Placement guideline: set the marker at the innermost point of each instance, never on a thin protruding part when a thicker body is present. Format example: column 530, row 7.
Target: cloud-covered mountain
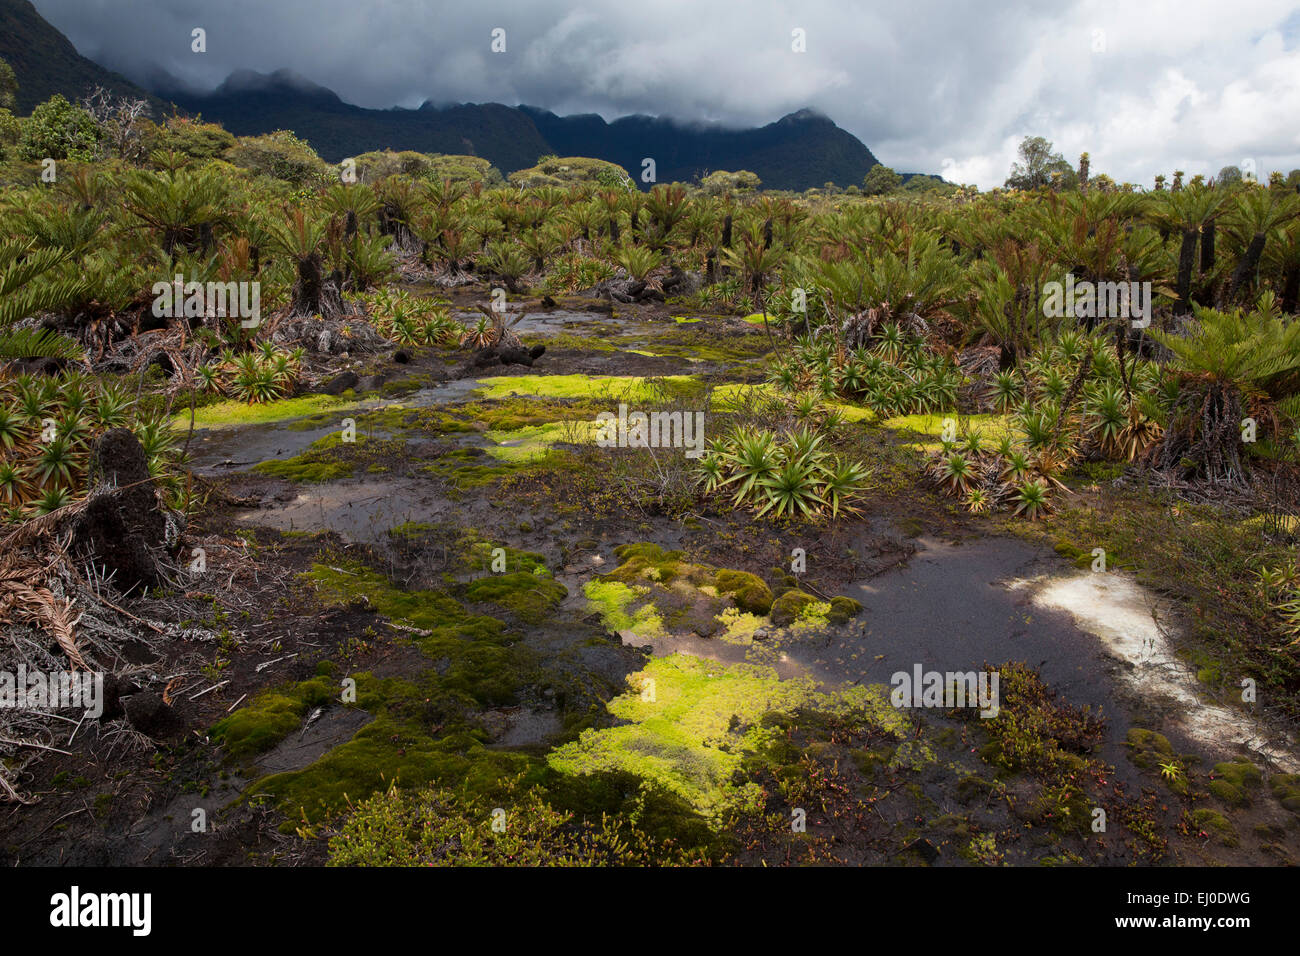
column 797, row 151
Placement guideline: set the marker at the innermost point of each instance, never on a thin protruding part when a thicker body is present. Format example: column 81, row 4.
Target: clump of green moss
column 228, row 414
column 1286, row 789
column 330, row 458
column 466, row 468
column 1148, row 749
column 1152, row 751
column 642, row 563
column 530, row 597
column 271, row 716
column 1216, row 824
column 628, row 388
column 482, row 556
column 425, row 729
column 1233, row 781
column 687, row 725
column 533, row 442
column 789, row 607
column 749, row 591
column 305, row 469
column 614, row 600
column 843, row 610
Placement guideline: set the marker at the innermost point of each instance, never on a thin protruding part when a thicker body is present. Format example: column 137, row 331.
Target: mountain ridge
column 800, row 150
column 797, row 151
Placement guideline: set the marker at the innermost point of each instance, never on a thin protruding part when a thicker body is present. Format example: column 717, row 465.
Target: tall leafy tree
column 1038, row 164
column 881, row 180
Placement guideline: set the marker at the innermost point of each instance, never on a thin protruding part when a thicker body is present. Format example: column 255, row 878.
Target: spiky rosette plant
column 1226, row 363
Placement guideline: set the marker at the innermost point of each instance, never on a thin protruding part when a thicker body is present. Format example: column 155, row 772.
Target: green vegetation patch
column 1286, row 789
column 534, row 441
column 614, row 602
column 440, row 826
column 1232, row 782
column 424, row 729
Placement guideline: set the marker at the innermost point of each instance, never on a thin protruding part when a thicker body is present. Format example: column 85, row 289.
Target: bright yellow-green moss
column 812, row 616
column 627, row 388
column 690, row 722
column 738, row 626
column 229, row 414
column 734, row 395
column 534, row 441
column 727, row 397
column 612, row 600
column 991, row 427
column 854, row 413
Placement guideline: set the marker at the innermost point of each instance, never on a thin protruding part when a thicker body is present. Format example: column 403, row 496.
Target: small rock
column 925, row 849
column 340, row 383
column 631, row 639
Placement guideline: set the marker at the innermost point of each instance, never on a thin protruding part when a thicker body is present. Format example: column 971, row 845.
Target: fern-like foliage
column 1256, row 351
column 38, row 343
column 33, row 280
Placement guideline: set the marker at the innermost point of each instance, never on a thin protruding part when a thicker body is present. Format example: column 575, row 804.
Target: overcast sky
column 944, row 87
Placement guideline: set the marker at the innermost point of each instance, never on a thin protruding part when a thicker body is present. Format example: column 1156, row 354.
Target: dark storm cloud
column 945, row 87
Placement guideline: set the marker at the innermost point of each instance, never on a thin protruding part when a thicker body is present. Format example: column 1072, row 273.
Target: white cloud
column 1175, row 85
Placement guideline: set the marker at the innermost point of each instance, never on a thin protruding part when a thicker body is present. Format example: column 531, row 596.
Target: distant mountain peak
column 280, row 81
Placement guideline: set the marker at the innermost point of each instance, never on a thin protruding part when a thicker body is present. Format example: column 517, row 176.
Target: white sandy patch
column 1127, row 619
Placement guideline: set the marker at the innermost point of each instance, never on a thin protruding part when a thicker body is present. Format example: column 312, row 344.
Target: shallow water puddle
column 235, row 448
column 551, row 322
column 359, row 509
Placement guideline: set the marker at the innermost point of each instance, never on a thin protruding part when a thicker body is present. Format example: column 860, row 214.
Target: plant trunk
column 1203, row 439
column 1245, row 268
column 1186, row 262
column 1290, row 289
